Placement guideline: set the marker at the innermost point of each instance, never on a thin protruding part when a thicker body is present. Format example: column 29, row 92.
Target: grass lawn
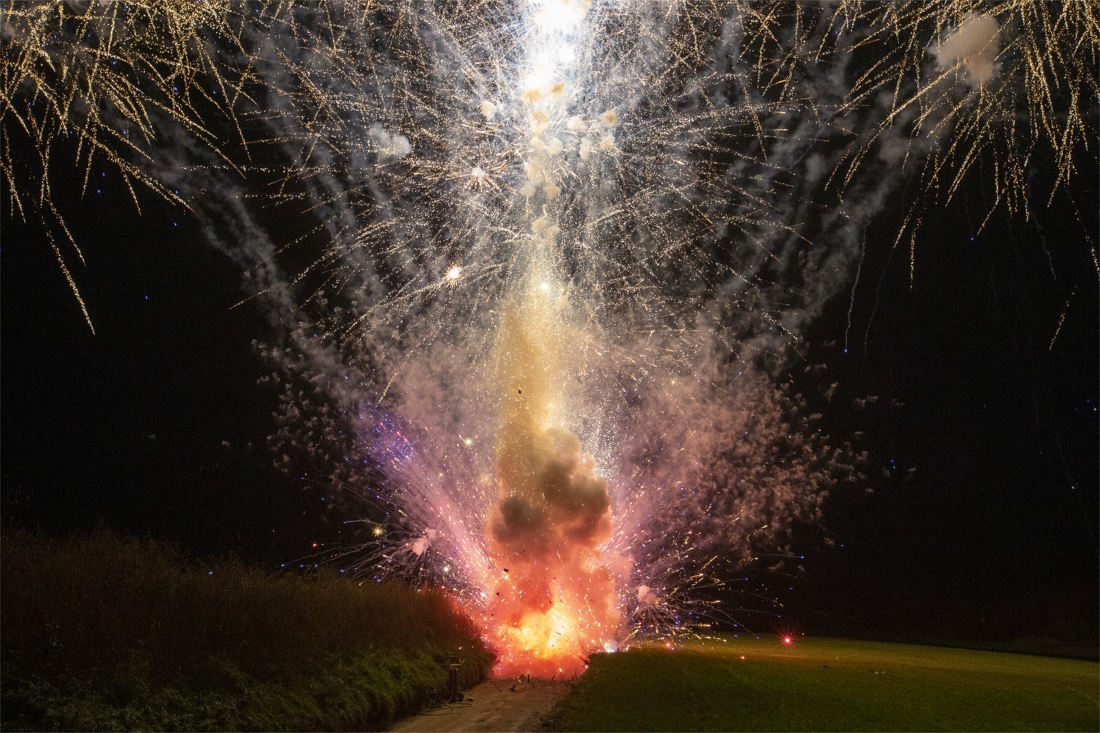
column 829, row 684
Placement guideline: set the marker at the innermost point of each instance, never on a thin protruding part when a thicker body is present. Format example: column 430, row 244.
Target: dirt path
column 497, row 705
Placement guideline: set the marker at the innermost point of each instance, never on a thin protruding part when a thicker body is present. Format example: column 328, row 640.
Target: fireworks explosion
column 539, row 263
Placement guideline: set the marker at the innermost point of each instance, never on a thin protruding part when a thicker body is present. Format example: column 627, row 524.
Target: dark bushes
column 103, row 632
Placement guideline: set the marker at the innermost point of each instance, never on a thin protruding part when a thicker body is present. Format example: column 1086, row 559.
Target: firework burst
column 548, row 257
column 1005, row 83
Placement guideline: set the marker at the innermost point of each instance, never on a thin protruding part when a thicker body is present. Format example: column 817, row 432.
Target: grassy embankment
column 829, row 684
column 107, row 633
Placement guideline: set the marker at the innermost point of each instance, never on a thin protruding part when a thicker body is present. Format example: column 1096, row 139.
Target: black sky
column 979, row 514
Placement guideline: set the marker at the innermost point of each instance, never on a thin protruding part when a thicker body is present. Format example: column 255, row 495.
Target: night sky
column 978, row 517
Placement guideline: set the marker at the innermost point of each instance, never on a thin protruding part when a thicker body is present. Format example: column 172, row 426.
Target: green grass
column 107, row 633
column 829, row 684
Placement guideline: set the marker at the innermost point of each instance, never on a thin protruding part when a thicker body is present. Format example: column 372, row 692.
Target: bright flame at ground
column 555, row 601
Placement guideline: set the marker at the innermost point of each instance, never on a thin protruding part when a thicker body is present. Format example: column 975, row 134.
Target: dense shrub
column 103, row 632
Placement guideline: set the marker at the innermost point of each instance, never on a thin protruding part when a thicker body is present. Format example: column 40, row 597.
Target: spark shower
column 549, row 258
